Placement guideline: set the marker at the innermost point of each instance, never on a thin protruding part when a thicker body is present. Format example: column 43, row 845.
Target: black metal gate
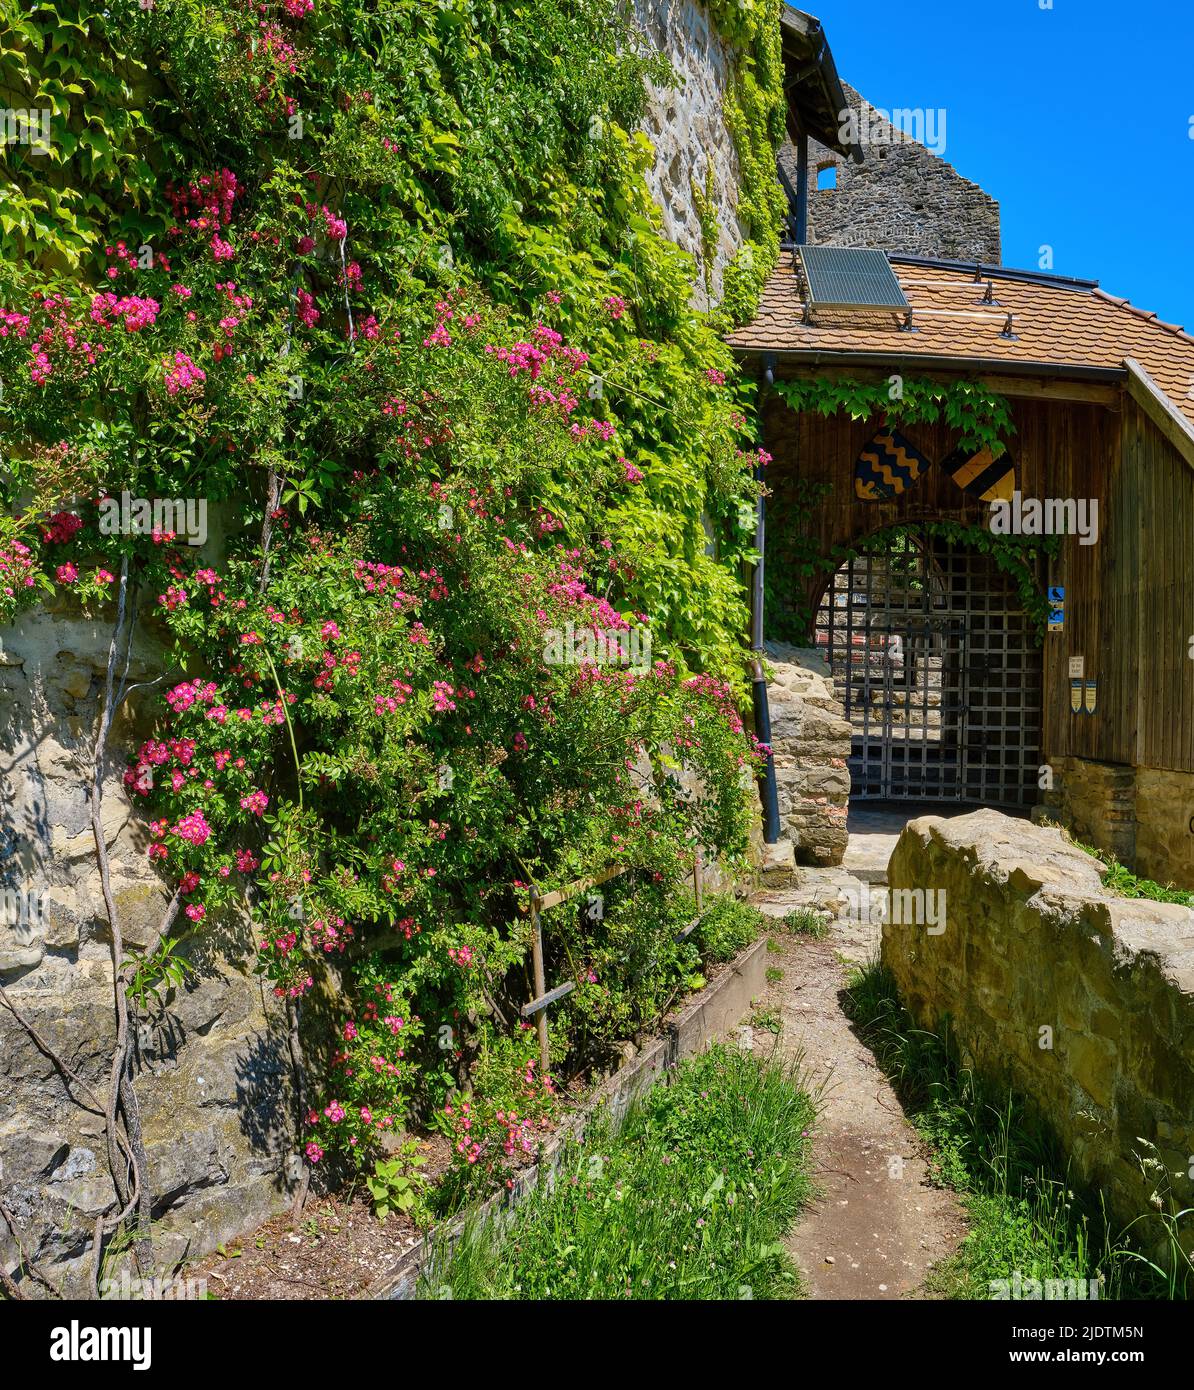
column 938, row 670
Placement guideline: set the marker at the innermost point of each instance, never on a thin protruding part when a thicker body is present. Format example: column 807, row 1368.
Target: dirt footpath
column 877, row 1227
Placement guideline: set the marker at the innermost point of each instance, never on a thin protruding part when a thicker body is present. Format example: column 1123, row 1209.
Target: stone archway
column 937, row 669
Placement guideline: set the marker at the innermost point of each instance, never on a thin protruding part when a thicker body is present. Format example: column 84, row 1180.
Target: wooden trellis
column 544, row 997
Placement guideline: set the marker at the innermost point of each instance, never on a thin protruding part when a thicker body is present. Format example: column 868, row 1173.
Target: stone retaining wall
column 1142, row 815
column 212, row 1065
column 1085, row 1000
column 1164, row 848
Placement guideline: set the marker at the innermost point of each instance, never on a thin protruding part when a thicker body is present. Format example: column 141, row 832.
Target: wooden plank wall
column 1160, row 499
column 1129, row 597
column 1084, row 462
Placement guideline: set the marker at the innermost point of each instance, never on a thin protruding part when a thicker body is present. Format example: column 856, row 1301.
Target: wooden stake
column 540, row 986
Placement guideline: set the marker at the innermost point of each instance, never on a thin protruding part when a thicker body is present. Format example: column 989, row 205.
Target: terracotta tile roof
column 1072, row 326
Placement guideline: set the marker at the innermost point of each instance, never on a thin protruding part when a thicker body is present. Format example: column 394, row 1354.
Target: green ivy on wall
column 755, row 110
column 95, row 174
column 984, row 417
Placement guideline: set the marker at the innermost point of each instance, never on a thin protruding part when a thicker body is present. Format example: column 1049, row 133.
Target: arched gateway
column 938, row 670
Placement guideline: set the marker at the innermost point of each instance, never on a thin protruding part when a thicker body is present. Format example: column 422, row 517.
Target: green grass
column 1123, row 881
column 1129, row 885
column 689, row 1199
column 806, row 921
column 769, row 1020
column 991, row 1147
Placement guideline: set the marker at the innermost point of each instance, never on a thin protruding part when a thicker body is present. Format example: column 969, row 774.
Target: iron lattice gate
column 939, row 672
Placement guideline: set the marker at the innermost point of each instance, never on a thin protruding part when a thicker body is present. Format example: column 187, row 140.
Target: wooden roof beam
column 1036, row 388
column 1160, row 410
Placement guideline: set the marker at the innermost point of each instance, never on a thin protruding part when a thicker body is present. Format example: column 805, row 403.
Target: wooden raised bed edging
column 713, row 1014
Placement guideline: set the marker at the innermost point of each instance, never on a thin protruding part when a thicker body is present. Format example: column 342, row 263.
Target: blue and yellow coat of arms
column 887, row 466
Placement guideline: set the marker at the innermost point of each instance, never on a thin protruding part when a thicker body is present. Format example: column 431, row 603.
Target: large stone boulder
column 1084, row 1000
column 810, row 740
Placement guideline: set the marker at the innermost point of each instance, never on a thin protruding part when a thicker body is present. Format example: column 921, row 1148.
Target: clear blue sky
column 1077, row 119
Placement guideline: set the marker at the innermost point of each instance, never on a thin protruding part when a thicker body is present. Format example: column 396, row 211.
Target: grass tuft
column 728, row 926
column 807, row 921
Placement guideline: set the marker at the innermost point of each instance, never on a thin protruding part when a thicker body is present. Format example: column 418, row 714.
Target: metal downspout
column 762, row 711
column 802, row 189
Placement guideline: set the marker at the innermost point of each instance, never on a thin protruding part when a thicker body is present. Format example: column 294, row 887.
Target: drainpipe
column 802, row 188
column 762, row 711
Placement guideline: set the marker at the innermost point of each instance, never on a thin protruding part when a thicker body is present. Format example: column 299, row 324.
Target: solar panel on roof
column 850, row 277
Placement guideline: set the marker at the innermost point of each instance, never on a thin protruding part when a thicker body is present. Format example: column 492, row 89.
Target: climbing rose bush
column 374, row 1073
column 387, row 744
column 431, row 435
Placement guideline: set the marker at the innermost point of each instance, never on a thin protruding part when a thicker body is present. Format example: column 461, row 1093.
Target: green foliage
column 96, row 173
column 628, row 964
column 396, row 1184
column 744, row 23
column 1121, row 880
column 157, row 973
column 690, row 1199
column 983, row 417
column 728, row 925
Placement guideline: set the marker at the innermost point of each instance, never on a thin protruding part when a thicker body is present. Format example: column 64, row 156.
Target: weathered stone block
column 810, row 743
column 778, row 866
